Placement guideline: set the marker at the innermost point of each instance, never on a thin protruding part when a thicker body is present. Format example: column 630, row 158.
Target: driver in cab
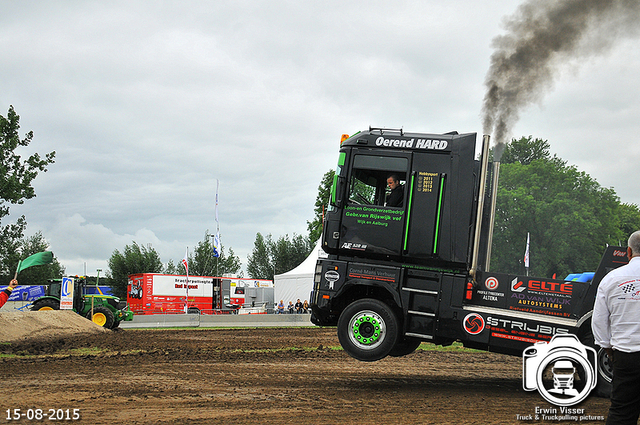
column 396, row 196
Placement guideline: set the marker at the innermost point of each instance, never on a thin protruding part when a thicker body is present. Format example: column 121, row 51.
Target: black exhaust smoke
column 541, row 36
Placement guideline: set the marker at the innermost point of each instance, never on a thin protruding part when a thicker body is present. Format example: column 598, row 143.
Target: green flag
column 38, row 259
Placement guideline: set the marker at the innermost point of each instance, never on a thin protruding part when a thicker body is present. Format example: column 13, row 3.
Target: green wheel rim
column 367, row 329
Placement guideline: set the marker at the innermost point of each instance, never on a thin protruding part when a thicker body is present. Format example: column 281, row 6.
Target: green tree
column 37, row 275
column 132, row 260
column 287, row 253
column 525, row 150
column 322, row 201
column 259, row 264
column 629, row 221
column 16, row 177
column 203, row 263
column 569, row 216
column 170, row 268
column 270, row 257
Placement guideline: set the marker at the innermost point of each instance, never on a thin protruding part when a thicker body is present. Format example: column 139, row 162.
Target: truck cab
column 399, row 275
column 433, row 226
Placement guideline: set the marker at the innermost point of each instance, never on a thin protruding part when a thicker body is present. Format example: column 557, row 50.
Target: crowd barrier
column 218, row 320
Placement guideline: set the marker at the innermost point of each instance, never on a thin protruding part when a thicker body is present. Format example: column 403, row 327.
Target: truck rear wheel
column 46, row 304
column 102, row 316
column 405, row 346
column 368, row 329
column 605, row 366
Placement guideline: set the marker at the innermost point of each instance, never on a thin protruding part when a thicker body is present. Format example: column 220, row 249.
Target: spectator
column 298, row 306
column 4, row 295
column 280, row 309
column 305, row 307
column 616, row 328
column 291, row 307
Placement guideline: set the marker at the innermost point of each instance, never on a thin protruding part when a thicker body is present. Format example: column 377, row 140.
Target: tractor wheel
column 368, row 329
column 405, row 346
column 46, row 304
column 102, row 316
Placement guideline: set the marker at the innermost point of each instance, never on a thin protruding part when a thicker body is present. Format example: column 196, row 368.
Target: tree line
column 570, row 219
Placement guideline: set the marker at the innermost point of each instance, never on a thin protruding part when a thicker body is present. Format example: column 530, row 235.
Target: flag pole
column 187, row 269
column 15, row 276
column 526, row 256
column 216, row 238
column 185, row 262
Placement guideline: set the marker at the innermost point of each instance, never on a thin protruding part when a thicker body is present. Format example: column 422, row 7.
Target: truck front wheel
column 102, row 316
column 368, row 329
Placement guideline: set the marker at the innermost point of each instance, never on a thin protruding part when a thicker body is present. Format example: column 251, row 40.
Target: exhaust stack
column 481, row 196
column 492, row 216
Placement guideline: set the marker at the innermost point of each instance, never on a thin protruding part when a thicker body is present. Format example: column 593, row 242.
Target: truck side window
column 368, row 184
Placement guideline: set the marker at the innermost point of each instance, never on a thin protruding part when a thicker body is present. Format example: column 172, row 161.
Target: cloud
column 88, row 246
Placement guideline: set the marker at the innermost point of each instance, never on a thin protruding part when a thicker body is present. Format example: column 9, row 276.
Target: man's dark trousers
column 625, row 392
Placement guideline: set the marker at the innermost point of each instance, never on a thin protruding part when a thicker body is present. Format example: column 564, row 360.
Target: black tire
column 102, row 316
column 405, row 346
column 368, row 330
column 46, row 304
column 605, row 367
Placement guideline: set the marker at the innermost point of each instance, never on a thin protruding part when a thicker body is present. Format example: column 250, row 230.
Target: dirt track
column 255, row 376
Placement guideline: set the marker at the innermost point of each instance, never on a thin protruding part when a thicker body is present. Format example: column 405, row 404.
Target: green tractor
column 104, row 310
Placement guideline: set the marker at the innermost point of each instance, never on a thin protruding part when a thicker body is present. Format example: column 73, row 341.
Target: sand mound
column 44, row 324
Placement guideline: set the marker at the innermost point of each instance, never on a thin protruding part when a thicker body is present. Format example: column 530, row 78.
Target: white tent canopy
column 297, row 283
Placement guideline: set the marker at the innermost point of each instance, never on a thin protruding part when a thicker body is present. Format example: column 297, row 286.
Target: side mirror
column 337, row 191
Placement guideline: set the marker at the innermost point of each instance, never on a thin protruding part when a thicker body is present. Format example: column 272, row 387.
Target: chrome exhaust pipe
column 481, row 196
column 492, row 217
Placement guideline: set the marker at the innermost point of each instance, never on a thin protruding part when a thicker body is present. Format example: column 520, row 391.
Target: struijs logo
column 563, row 370
column 473, row 323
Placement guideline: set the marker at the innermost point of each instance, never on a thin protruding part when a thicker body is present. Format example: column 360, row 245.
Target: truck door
column 368, row 224
column 440, row 210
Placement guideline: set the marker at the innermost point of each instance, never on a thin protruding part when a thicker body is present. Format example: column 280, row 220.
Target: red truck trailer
column 154, row 293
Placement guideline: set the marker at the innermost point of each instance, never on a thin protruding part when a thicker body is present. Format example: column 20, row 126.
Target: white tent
column 297, row 283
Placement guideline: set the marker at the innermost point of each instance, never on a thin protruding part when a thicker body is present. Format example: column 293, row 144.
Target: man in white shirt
column 616, row 328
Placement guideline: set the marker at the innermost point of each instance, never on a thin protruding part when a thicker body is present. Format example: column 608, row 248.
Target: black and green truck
column 398, row 276
column 105, row 310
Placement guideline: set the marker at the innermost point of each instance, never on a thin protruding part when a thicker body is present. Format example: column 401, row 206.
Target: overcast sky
column 148, row 103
